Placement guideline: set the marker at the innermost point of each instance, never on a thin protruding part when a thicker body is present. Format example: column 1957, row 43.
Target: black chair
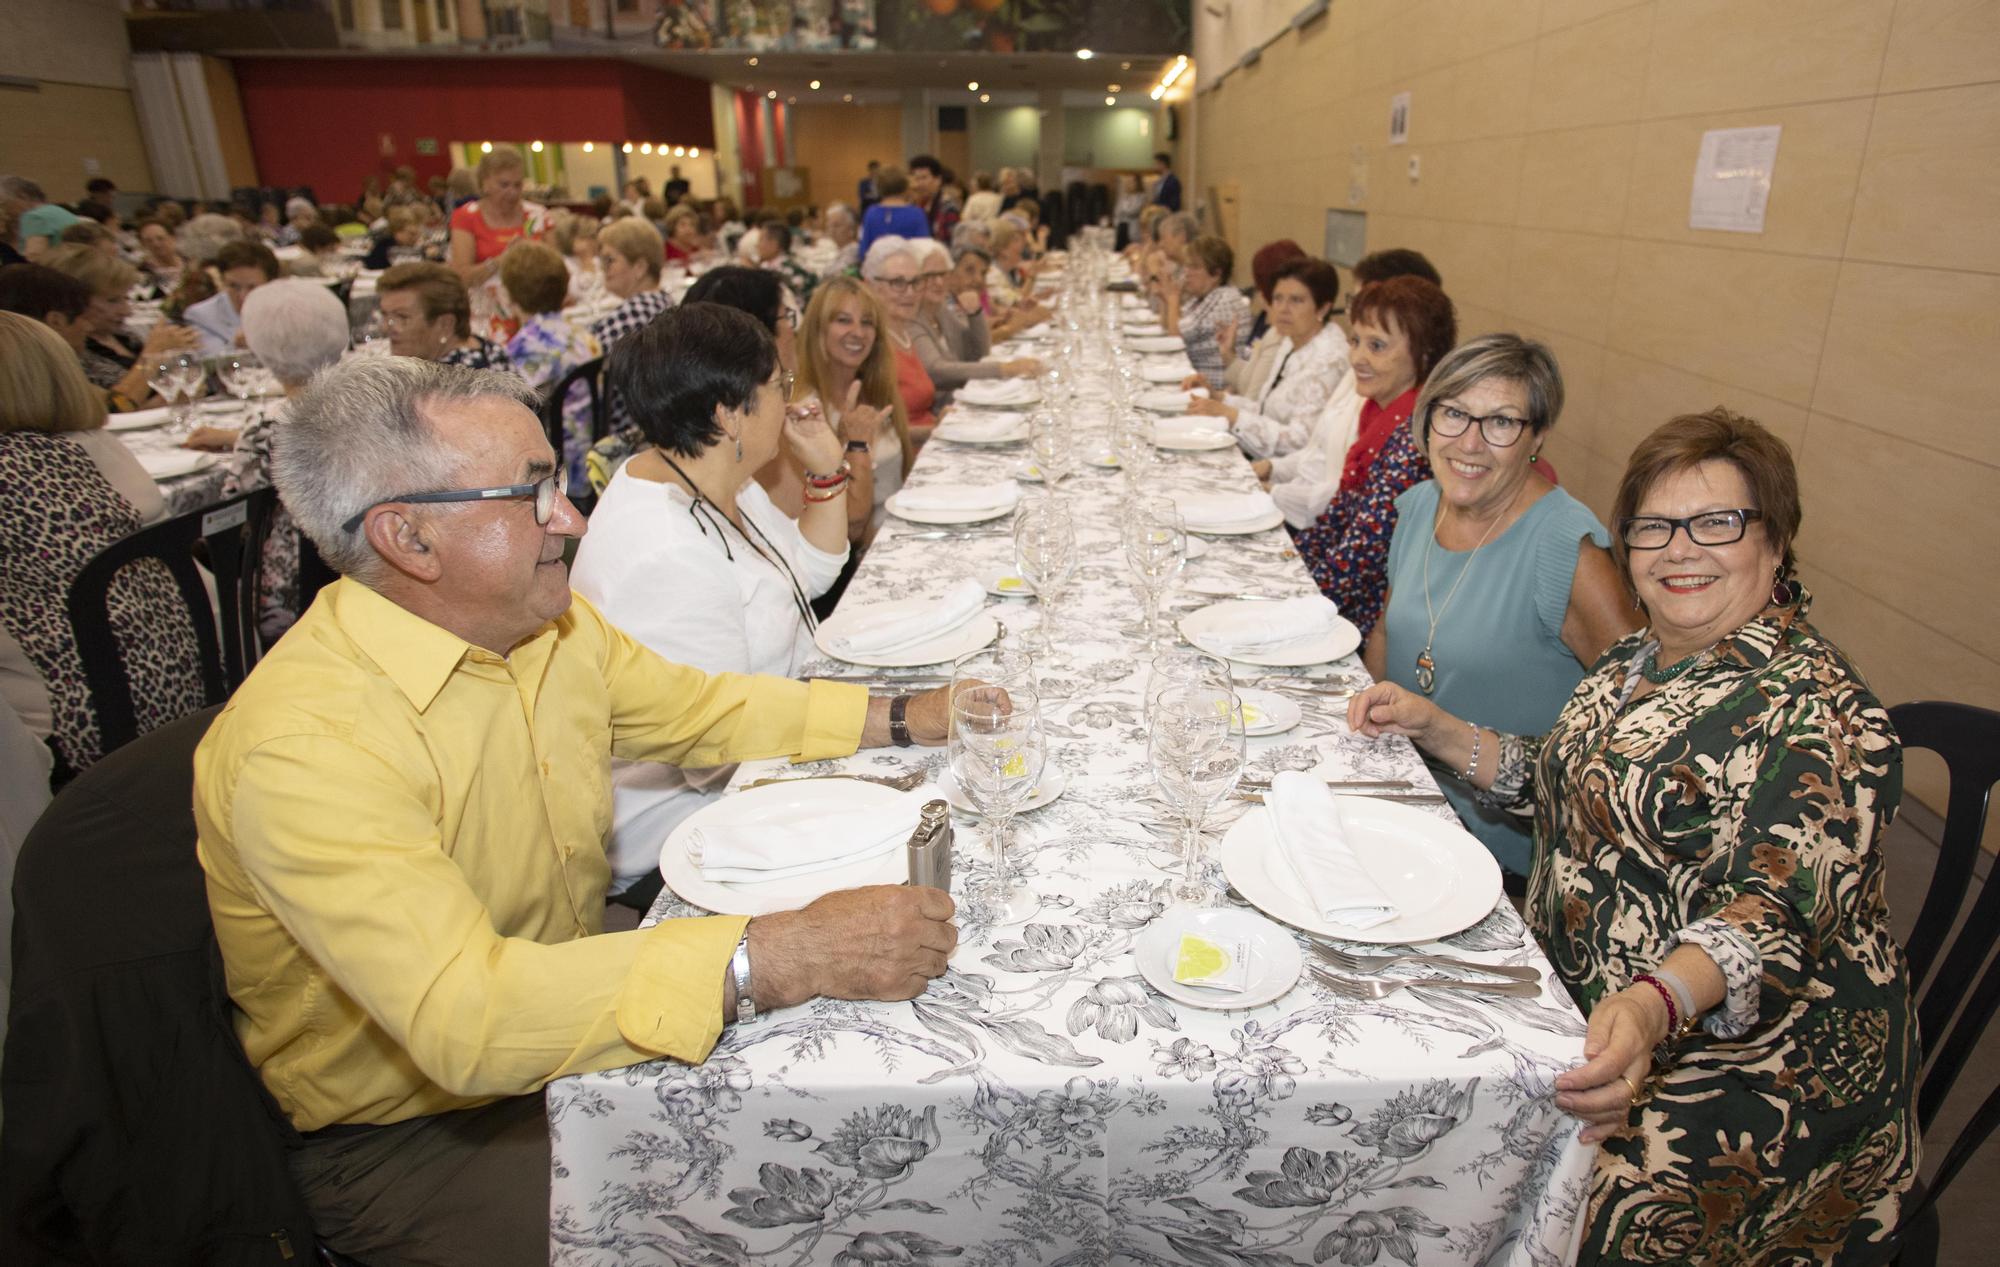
column 591, row 373
column 231, row 532
column 315, row 574
column 1968, row 739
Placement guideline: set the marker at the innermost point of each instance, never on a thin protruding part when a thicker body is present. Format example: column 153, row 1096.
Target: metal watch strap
column 899, row 726
column 739, row 971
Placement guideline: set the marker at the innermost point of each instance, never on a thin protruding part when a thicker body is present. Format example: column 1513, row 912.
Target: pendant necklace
column 1426, row 666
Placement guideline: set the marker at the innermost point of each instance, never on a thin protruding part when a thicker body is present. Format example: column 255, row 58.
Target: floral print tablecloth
column 1040, row 1104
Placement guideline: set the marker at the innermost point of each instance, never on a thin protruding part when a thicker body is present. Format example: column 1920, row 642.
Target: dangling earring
column 739, row 448
column 1783, row 592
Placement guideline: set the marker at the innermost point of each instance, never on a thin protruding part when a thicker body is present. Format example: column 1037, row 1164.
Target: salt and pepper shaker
column 930, row 847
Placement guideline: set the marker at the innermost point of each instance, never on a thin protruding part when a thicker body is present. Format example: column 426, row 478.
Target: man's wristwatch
column 739, row 972
column 899, row 724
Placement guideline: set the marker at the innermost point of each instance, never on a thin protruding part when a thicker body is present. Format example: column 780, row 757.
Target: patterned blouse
column 1278, row 414
column 1741, row 808
column 250, row 469
column 484, row 354
column 546, row 348
column 635, row 313
column 1202, row 321
column 1347, row 547
column 74, row 513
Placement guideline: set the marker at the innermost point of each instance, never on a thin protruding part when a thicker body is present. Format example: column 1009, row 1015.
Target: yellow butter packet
column 1011, row 583
column 1213, row 965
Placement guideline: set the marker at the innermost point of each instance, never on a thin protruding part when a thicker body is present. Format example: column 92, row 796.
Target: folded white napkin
column 165, row 464
column 1305, row 820
column 1224, row 510
column 1165, row 371
column 138, row 419
column 783, row 847
column 1000, row 425
column 1248, row 628
column 999, row 495
column 1154, row 342
column 1162, row 400
column 882, row 627
column 1191, row 424
column 1132, row 303
column 999, row 391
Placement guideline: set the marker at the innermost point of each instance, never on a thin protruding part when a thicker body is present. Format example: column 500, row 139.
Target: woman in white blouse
column 686, row 552
column 1276, row 415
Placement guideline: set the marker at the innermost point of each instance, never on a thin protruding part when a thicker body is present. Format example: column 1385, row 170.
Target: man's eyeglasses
column 545, row 491
column 1709, row 528
column 1500, row 430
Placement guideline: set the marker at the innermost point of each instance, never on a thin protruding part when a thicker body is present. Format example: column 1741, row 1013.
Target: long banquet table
column 1039, row 1104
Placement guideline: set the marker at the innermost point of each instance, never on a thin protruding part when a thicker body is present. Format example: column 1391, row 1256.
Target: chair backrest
column 1955, row 1008
column 233, row 533
column 590, row 373
column 315, row 573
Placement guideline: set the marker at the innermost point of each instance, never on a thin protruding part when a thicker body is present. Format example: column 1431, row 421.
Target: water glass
column 1050, row 440
column 997, row 751
column 1196, row 747
column 1155, row 548
column 1045, row 554
column 1183, row 667
column 241, row 375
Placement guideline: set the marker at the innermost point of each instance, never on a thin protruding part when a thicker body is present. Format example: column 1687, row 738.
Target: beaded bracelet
column 1472, row 765
column 1677, row 1025
column 837, row 477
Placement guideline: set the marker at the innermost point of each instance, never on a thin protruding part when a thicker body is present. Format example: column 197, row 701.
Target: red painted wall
column 322, row 121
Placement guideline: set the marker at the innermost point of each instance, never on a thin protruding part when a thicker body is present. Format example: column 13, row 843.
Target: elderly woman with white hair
column 299, row 212
column 297, row 328
column 891, row 271
column 949, row 332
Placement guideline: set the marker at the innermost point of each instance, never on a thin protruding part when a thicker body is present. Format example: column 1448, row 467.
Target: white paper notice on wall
column 1732, row 179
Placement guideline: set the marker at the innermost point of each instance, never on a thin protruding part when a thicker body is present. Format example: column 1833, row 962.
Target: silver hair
column 201, row 237
column 296, row 327
column 360, row 434
column 923, row 248
column 294, row 206
column 1503, row 356
column 971, row 233
column 1182, row 222
column 886, row 248
column 840, row 209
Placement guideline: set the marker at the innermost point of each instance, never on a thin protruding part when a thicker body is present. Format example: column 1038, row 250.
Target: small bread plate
column 792, row 804
column 1054, row 782
column 1008, row 585
column 1194, row 441
column 1440, row 877
column 1275, row 960
column 1103, row 460
column 1339, row 639
column 1267, row 712
column 221, row 405
column 960, row 640
column 1028, row 473
column 1005, row 393
column 946, row 516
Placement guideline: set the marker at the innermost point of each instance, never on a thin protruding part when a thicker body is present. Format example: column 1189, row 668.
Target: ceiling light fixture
column 1111, row 101
column 535, row 146
column 587, row 147
column 1114, row 87
column 848, row 96
column 753, row 61
column 985, row 97
column 972, row 86
column 486, row 147
column 1084, row 54
column 646, row 148
column 772, row 95
column 628, row 147
column 694, row 151
column 814, row 85
column 679, row 150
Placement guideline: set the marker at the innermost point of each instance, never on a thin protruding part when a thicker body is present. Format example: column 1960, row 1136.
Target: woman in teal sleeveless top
column 1502, row 590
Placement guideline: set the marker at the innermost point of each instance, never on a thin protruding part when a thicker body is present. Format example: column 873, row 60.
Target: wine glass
column 1196, row 747
column 1155, row 548
column 1045, row 553
column 997, row 751
column 1049, row 438
column 1183, row 667
column 1132, row 443
column 240, row 374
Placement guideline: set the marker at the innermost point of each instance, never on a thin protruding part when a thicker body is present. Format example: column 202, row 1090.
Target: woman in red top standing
column 891, row 271
column 483, row 229
column 1401, row 328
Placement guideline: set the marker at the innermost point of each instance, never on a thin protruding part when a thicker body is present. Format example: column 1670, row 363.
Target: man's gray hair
column 201, row 237
column 886, row 248
column 296, row 327
column 359, row 434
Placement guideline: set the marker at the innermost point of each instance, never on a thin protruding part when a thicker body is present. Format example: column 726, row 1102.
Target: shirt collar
column 415, row 654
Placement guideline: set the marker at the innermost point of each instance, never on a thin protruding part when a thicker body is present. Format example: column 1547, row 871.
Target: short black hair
column 778, row 231
column 99, row 184
column 91, row 209
column 1321, row 279
column 1395, row 262
column 677, row 369
column 1164, row 157
column 34, row 291
column 242, row 254
column 926, row 162
column 317, row 237
column 757, row 291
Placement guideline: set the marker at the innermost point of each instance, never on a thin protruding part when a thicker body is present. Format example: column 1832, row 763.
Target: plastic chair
column 590, row 373
column 233, row 533
column 1968, row 739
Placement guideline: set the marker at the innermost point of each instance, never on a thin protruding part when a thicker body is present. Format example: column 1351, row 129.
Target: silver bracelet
column 1472, row 765
column 739, row 971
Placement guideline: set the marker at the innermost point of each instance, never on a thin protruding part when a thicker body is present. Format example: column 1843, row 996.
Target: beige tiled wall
column 1557, row 141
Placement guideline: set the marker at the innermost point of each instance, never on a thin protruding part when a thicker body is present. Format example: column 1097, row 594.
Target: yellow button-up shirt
column 403, row 840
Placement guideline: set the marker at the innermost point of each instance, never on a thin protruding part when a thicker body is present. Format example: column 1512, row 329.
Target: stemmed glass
column 240, row 374
column 1132, row 444
column 1049, row 439
column 1045, row 553
column 997, row 751
column 1155, row 548
column 1196, row 746
column 1182, row 667
column 180, row 380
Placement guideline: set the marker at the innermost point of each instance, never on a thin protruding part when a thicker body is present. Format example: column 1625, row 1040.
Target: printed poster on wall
column 1732, row 179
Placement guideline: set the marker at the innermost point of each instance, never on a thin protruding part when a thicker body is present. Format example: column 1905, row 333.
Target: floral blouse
column 1739, row 807
column 547, row 347
column 250, row 468
column 1278, row 414
column 1347, row 547
column 1201, row 323
column 483, row 354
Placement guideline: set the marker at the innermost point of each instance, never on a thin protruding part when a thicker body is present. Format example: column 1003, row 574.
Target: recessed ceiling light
column 588, row 147
column 1111, row 101
column 1128, row 66
column 646, row 148
column 985, row 96
column 848, row 96
column 694, row 151
column 679, row 150
column 1114, row 87
column 1084, row 54
column 773, row 94
column 814, row 85
column 973, row 86
column 628, row 149
column 486, row 147
column 535, row 146
column 753, row 61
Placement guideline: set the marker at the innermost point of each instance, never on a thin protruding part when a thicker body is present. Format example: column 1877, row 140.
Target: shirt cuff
column 835, row 714
column 671, row 1002
column 1742, row 967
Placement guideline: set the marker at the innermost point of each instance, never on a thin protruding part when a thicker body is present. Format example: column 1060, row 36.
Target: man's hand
column 882, row 942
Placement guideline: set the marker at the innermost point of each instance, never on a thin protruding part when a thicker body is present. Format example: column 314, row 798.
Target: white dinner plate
column 1010, row 435
column 1339, row 640
column 944, row 516
column 957, row 641
column 1054, row 782
column 1194, row 442
column 1440, row 877
column 1160, row 400
column 1275, row 961
column 139, row 419
column 1006, row 393
column 1263, row 523
column 1267, row 712
column 1007, row 585
column 785, row 801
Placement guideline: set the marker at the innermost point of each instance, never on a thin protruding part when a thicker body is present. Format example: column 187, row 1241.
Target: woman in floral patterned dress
column 549, row 345
column 1708, row 882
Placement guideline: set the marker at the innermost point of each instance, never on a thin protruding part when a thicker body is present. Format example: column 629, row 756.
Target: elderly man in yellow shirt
column 402, row 814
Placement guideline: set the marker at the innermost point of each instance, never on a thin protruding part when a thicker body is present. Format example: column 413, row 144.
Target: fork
column 1351, row 988
column 901, row 782
column 1347, row 962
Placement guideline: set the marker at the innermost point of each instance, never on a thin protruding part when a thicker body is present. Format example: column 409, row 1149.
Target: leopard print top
column 63, row 513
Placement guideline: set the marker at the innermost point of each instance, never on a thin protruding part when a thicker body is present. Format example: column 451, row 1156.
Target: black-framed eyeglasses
column 1709, row 528
column 544, row 491
column 1501, row 430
